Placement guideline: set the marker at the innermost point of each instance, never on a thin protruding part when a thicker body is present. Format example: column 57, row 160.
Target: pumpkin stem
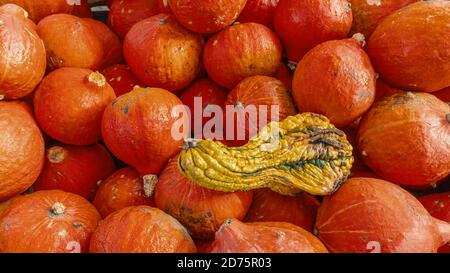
column 240, row 105
column 190, row 143
column 58, row 209
column 150, row 181
column 292, row 65
column 444, row 231
column 97, row 78
column 56, row 154
column 359, row 37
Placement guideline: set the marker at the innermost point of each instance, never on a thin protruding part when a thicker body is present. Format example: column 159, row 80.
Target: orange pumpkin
column 123, row 189
column 405, row 138
column 141, row 229
column 70, row 42
column 269, row 206
column 75, row 169
column 368, row 214
column 69, row 105
column 48, row 222
column 137, row 128
column 265, row 237
column 152, row 42
column 347, row 86
column 200, row 210
column 121, row 79
column 241, row 51
column 38, row 9
column 22, row 58
column 259, row 11
column 21, row 149
column 408, row 49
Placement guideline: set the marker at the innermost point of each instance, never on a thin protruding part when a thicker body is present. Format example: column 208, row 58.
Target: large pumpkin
column 38, row 9
column 259, row 11
column 70, row 42
column 347, row 86
column 123, row 189
column 22, row 58
column 75, row 169
column 411, row 49
column 69, row 105
column 161, row 53
column 21, row 149
column 265, row 237
column 200, row 210
column 121, row 79
column 137, row 128
column 141, row 229
column 302, row 25
column 48, row 222
column 405, row 138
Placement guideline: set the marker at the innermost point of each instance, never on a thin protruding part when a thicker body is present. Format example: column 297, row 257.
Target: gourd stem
column 97, row 78
column 58, row 208
column 149, row 181
column 56, row 154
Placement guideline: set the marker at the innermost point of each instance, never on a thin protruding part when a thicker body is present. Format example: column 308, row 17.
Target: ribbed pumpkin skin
column 75, row 169
column 405, row 138
column 269, row 206
column 22, row 54
column 241, row 51
column 141, row 229
column 265, row 237
column 302, row 25
column 259, row 11
column 121, row 79
column 21, row 149
column 347, row 86
column 152, row 42
column 122, row 189
column 367, row 210
column 206, row 16
column 408, row 49
column 70, row 42
column 69, row 105
column 200, row 210
column 137, row 128
column 38, row 9
column 30, row 223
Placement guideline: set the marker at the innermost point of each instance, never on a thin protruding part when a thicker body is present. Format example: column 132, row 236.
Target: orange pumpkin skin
column 137, row 129
column 347, row 88
column 21, row 149
column 241, row 51
column 153, row 41
column 284, row 75
column 141, row 229
column 408, row 49
column 367, row 210
column 48, row 222
column 265, row 237
column 69, row 105
column 70, row 42
column 112, row 46
column 302, row 25
column 75, row 169
column 200, row 210
column 124, row 14
column 257, row 91
column 22, row 58
column 124, row 188
column 121, row 79
column 38, row 9
column 259, row 11
column 206, row 16
column 405, row 138
column 368, row 14
column 443, row 95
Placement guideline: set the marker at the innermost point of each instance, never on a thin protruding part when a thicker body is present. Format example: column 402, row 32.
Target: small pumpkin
column 37, row 10
column 241, row 51
column 269, row 206
column 153, row 41
column 405, row 138
column 70, row 42
column 69, row 105
column 259, row 11
column 265, row 237
column 121, row 79
column 206, row 16
column 347, row 89
column 302, row 25
column 21, row 149
column 47, row 222
column 141, row 229
column 368, row 214
column 75, row 169
column 22, row 58
column 408, row 49
column 123, row 189
column 200, row 210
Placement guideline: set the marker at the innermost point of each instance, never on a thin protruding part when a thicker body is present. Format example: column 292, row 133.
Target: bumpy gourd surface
column 302, row 153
